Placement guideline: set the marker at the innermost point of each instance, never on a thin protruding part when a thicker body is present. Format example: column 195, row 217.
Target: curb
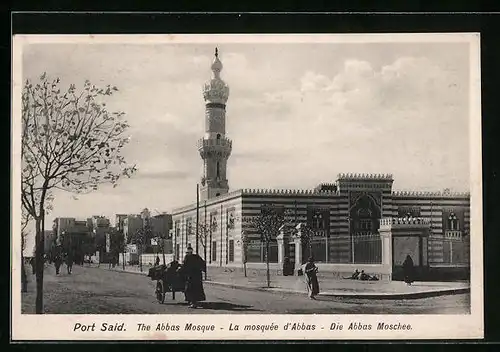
column 396, row 296
column 380, row 296
column 412, row 295
column 120, row 271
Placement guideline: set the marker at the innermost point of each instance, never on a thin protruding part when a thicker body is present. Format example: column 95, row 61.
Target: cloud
column 359, row 111
column 164, row 175
column 295, row 120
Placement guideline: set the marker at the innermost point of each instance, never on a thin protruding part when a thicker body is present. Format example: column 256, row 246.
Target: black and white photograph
column 216, row 186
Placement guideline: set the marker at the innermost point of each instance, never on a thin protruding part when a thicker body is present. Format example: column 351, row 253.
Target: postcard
column 246, row 187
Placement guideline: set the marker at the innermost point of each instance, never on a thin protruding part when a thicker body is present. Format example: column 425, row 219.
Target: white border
column 59, row 327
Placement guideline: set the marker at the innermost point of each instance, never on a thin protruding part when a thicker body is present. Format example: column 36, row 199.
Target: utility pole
column 197, row 214
column 205, row 229
column 227, row 236
column 221, row 229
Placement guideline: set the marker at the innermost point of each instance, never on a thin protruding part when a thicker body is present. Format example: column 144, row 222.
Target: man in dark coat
column 58, row 260
column 192, row 269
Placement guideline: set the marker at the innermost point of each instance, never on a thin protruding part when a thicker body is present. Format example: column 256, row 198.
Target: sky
column 298, row 115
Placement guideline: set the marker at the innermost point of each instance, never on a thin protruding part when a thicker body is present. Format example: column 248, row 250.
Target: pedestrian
column 287, row 267
column 192, row 269
column 69, row 261
column 58, row 261
column 157, row 261
column 354, row 276
column 364, row 276
column 311, row 277
column 32, row 263
column 408, row 270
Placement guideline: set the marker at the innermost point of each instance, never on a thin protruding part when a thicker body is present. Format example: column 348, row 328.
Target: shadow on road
column 226, row 306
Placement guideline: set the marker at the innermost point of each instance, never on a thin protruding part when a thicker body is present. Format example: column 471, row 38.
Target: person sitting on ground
column 364, row 276
column 354, row 276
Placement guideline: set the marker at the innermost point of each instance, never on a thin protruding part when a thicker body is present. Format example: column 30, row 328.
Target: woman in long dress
column 408, row 270
column 311, row 271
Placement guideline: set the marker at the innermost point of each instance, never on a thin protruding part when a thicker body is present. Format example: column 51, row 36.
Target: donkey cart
column 168, row 279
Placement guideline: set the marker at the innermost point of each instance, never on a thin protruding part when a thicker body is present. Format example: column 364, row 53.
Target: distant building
column 131, row 224
column 119, row 220
column 73, row 235
column 160, row 225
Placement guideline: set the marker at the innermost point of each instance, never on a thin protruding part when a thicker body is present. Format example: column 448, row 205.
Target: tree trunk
column 39, row 240
column 24, row 277
column 140, row 257
column 268, row 276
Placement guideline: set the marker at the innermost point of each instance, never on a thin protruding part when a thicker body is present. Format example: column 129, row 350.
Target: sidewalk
column 329, row 287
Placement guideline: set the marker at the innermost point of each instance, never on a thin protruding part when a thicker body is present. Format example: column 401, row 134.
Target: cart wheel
column 160, row 292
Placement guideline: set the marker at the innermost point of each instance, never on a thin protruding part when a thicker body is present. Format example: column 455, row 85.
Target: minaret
column 214, row 147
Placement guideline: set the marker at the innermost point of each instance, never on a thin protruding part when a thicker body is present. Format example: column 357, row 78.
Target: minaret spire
column 215, row 147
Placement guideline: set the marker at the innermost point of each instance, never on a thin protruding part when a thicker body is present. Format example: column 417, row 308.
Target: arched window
column 318, row 221
column 453, row 223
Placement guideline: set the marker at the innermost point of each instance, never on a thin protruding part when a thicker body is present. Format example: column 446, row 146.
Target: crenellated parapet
column 388, row 223
column 222, row 198
column 287, row 192
column 350, row 176
column 326, row 187
column 436, row 194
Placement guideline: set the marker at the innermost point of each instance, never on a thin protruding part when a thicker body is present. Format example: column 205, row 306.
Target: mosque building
column 357, row 222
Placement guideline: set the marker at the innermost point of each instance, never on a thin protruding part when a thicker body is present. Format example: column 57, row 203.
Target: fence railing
column 360, row 249
column 449, row 251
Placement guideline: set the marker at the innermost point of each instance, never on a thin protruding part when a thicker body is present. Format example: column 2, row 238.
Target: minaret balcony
column 215, row 144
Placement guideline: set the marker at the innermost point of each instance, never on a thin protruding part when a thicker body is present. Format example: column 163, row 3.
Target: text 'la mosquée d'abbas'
column 292, row 326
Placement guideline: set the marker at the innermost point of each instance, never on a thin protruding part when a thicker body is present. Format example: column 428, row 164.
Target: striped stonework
column 337, row 202
column 435, row 206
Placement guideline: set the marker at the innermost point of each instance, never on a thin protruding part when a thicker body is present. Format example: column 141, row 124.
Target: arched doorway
column 366, row 247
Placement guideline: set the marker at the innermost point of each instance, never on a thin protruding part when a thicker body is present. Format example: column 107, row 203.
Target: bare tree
column 24, row 224
column 244, row 248
column 140, row 238
column 267, row 225
column 70, row 141
column 206, row 229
